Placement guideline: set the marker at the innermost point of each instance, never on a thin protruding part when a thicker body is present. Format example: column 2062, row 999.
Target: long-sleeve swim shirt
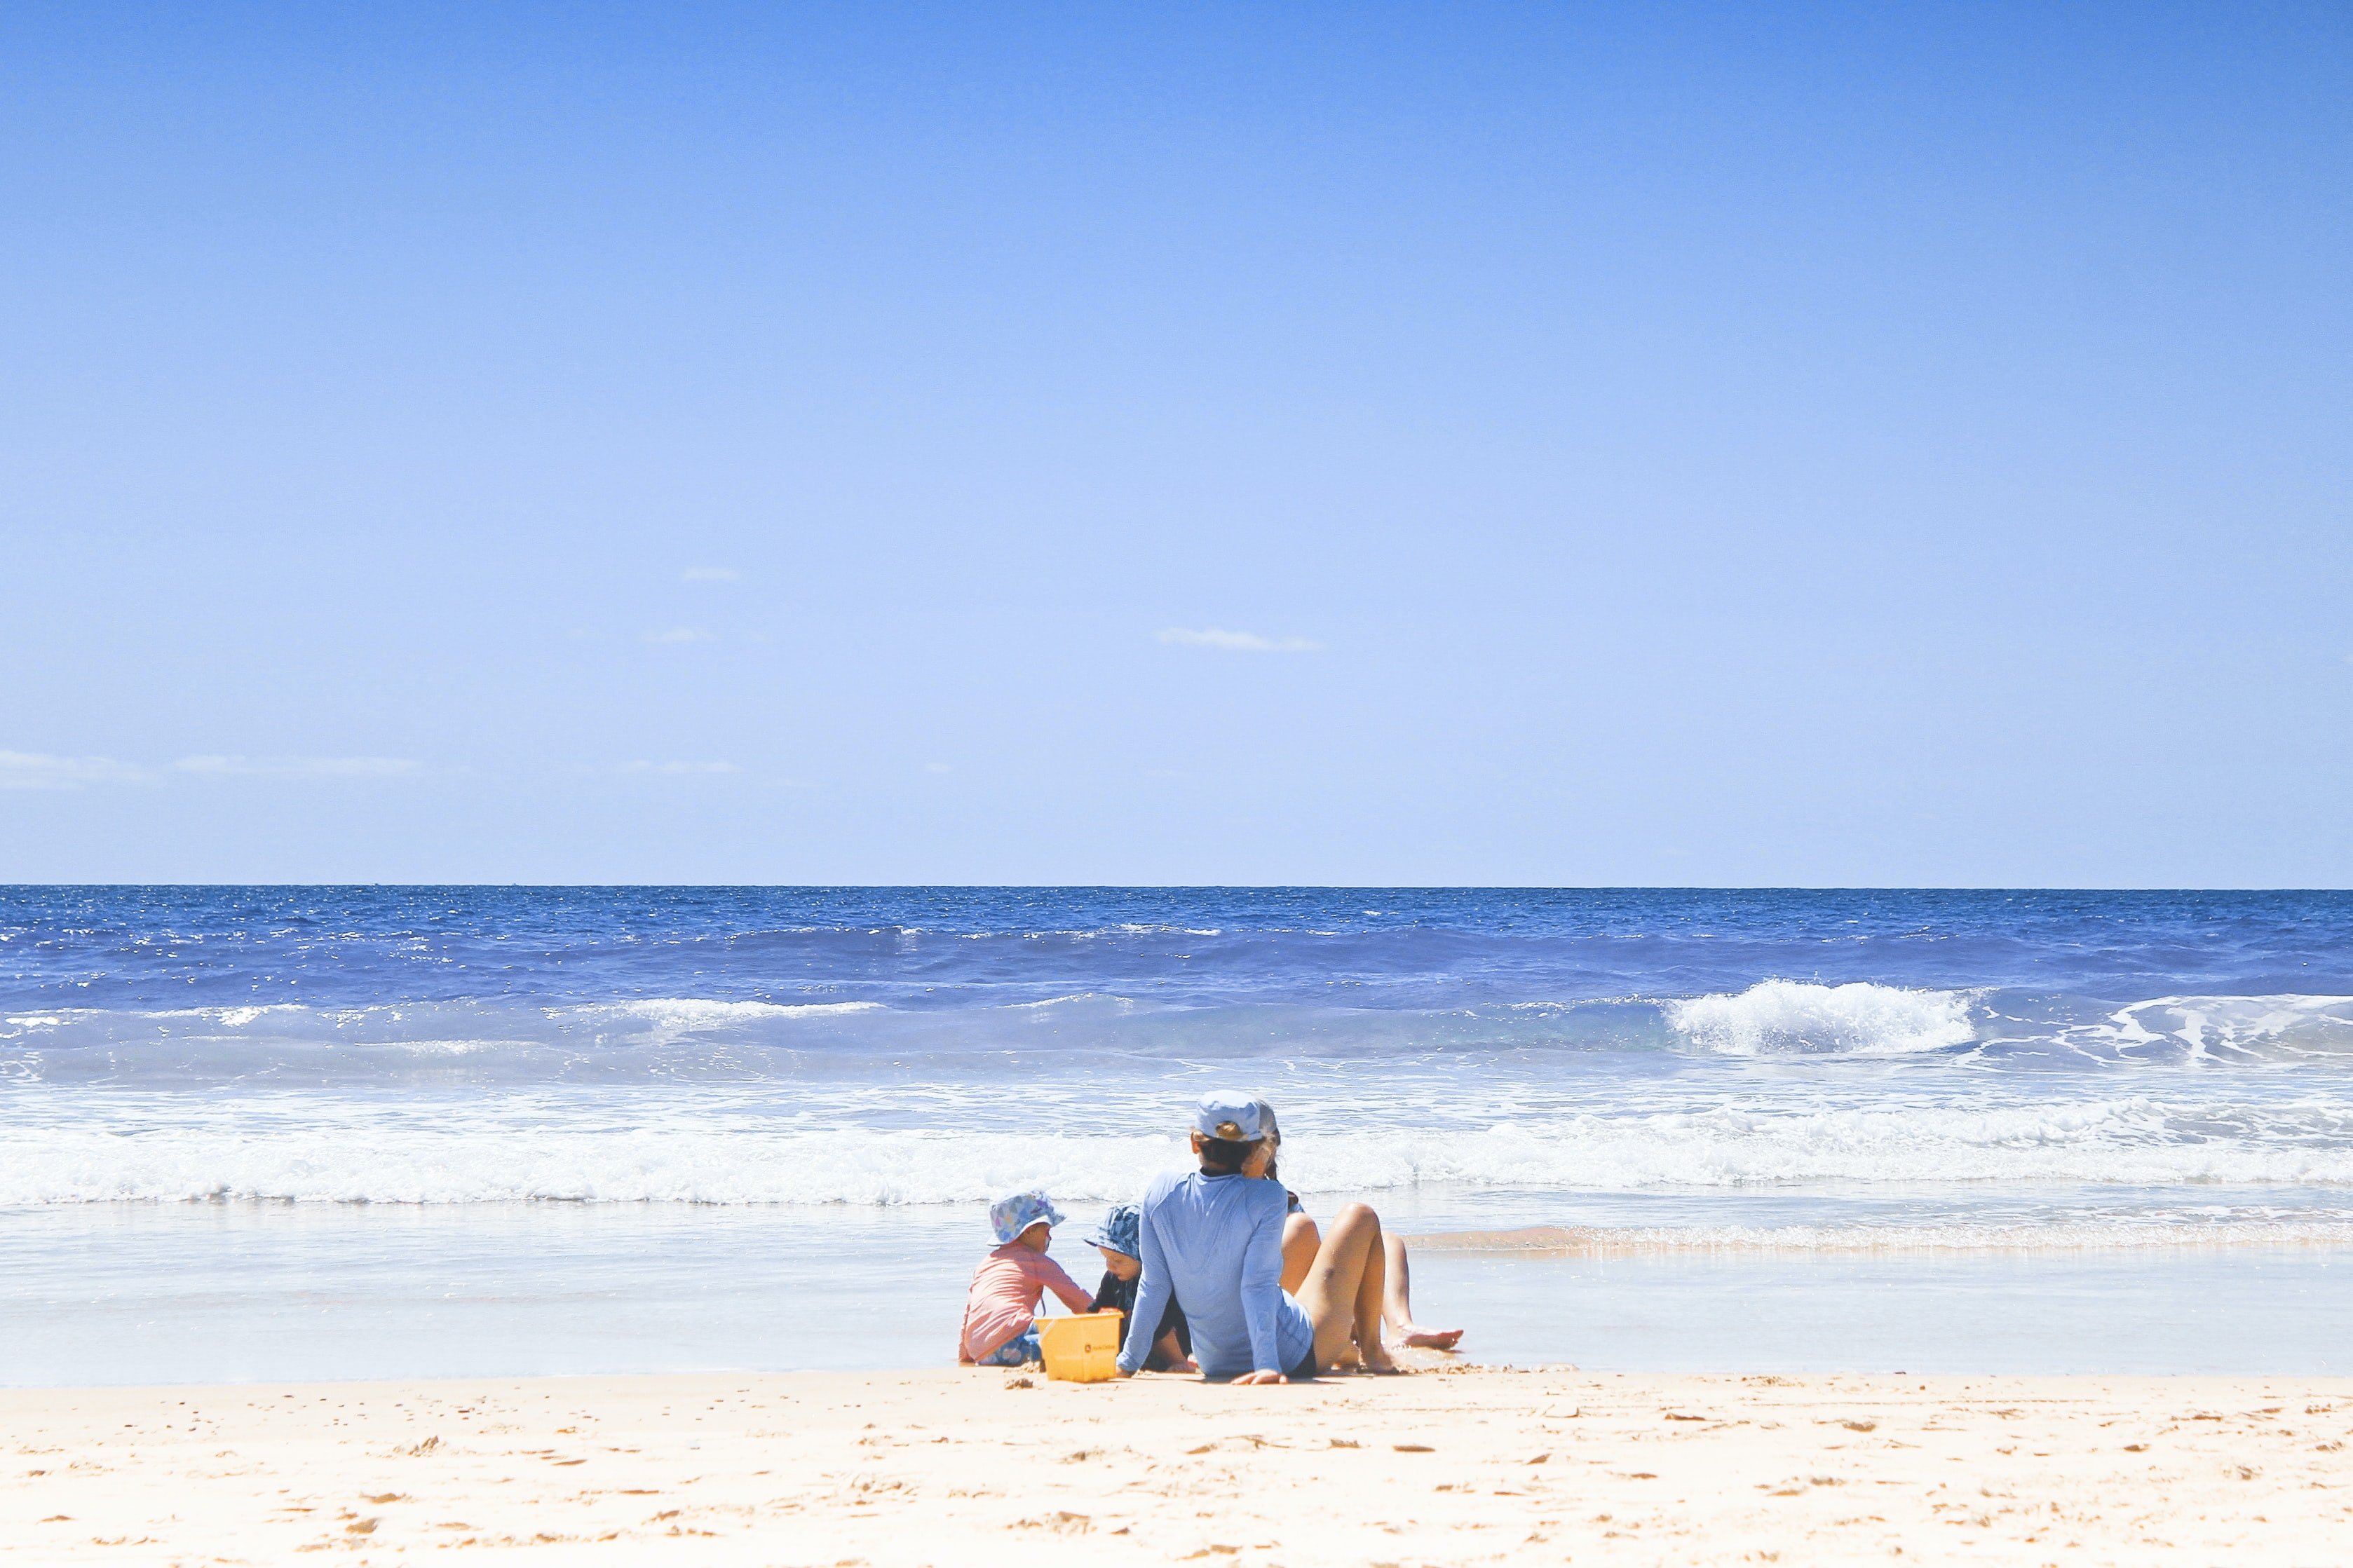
column 1215, row 1244
column 1119, row 1295
column 1006, row 1291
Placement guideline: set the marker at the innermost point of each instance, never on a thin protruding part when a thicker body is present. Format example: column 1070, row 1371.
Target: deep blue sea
column 1848, row 1078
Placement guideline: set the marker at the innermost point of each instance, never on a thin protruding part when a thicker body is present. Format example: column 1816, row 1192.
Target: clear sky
column 1244, row 443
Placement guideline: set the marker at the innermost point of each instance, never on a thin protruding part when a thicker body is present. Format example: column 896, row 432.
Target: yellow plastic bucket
column 1081, row 1348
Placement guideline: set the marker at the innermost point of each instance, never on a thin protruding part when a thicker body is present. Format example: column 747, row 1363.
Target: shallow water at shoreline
column 215, row 1293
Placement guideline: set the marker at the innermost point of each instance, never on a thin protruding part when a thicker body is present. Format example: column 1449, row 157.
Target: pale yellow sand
column 954, row 1467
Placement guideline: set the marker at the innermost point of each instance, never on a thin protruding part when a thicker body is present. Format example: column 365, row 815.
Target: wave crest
column 1795, row 1018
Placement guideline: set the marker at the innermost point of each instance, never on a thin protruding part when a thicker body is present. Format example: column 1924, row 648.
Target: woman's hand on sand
column 1248, row 1378
column 1183, row 1364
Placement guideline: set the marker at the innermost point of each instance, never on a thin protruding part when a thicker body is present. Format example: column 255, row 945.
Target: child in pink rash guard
column 1000, row 1313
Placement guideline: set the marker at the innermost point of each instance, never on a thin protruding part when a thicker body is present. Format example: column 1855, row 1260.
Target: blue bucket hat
column 1121, row 1230
column 1009, row 1216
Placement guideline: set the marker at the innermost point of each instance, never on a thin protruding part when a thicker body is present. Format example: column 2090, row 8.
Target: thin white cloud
column 711, row 575
column 937, row 768
column 678, row 770
column 1235, row 642
column 39, row 770
column 682, row 635
column 299, row 767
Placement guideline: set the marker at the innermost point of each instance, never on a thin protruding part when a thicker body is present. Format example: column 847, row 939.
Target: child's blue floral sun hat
column 1121, row 1230
column 1011, row 1215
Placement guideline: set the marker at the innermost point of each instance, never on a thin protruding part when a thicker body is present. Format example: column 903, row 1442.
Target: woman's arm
column 1261, row 1287
column 1153, row 1294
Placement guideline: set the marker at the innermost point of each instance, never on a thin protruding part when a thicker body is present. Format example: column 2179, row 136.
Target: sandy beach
column 962, row 1466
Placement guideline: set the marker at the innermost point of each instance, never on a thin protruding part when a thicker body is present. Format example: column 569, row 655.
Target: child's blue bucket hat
column 1009, row 1216
column 1121, row 1230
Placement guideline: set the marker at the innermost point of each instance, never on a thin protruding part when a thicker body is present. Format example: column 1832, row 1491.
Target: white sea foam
column 669, row 1018
column 880, row 1148
column 1775, row 1021
column 650, row 1020
column 1091, row 999
column 2229, row 1029
column 1785, row 1018
column 465, row 1160
column 2134, row 1142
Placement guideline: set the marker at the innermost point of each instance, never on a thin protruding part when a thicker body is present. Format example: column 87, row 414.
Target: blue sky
column 1376, row 444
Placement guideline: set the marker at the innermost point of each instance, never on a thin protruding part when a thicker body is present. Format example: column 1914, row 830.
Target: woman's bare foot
column 1424, row 1339
column 1353, row 1358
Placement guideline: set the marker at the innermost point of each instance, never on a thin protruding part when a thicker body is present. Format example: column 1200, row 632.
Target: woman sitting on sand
column 1213, row 1239
column 1302, row 1239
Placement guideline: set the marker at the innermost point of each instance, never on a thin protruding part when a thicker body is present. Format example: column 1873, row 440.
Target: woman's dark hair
column 1226, row 1156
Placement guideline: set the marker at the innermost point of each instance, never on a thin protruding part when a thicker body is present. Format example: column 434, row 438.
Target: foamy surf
column 2230, row 1030
column 873, row 1147
column 1793, row 1018
column 388, row 1046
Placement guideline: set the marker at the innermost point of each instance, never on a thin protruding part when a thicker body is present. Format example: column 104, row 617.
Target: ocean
column 343, row 1131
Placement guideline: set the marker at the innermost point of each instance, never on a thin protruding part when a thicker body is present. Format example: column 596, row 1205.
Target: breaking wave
column 1784, row 1017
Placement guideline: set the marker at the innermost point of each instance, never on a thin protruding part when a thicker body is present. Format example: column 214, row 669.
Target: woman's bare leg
column 1397, row 1305
column 1300, row 1241
column 1342, row 1295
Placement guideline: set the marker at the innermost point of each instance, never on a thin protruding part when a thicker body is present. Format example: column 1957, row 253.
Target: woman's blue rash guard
column 1216, row 1244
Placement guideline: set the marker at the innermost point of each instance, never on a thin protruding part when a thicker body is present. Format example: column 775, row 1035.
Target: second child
column 1116, row 1239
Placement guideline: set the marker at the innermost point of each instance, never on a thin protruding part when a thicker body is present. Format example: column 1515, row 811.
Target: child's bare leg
column 1342, row 1295
column 1300, row 1241
column 1398, row 1307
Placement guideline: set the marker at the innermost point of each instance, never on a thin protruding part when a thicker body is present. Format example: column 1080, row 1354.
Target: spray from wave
column 1789, row 1018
